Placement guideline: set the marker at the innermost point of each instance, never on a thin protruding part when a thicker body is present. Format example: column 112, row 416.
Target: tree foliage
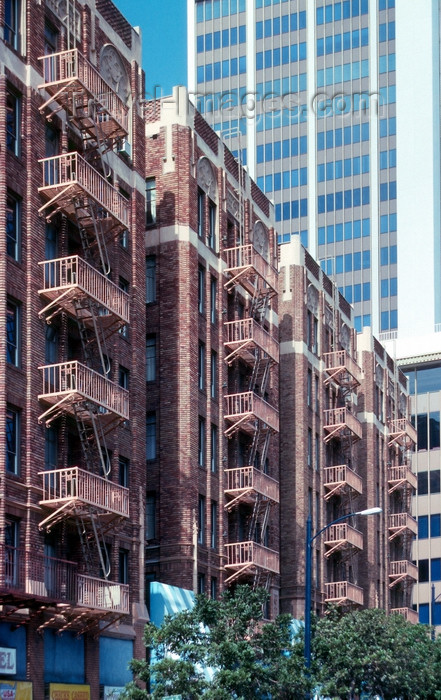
column 221, row 650
column 369, row 651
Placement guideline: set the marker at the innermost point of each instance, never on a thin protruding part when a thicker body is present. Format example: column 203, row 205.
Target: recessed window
column 123, row 565
column 13, row 109
column 150, row 201
column 150, row 516
column 213, row 300
column 150, row 358
column 11, row 24
column 151, row 435
column 214, row 447
column 213, row 374
column 12, row 333
column 201, row 520
column 213, row 531
column 12, row 440
column 150, row 274
column 123, row 377
column 124, row 469
column 201, row 442
column 201, row 289
column 201, row 366
column 211, row 238
column 13, row 225
column 201, row 213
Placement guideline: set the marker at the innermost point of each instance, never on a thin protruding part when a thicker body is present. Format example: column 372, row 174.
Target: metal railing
column 248, row 403
column 403, row 568
column 247, row 331
column 343, row 590
column 70, row 66
column 335, row 417
column 246, row 256
column 341, row 359
column 31, row 573
column 342, row 532
column 402, row 520
column 63, row 485
column 64, row 273
column 72, row 169
column 402, row 473
column 242, row 553
column 341, row 473
column 101, row 594
column 75, row 378
column 408, row 614
column 242, row 478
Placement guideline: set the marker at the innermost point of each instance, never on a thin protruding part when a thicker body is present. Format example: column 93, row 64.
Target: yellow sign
column 65, row 691
column 15, row 690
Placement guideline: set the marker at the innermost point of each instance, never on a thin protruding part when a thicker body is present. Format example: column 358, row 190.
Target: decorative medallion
column 206, row 179
column 113, row 71
column 260, row 239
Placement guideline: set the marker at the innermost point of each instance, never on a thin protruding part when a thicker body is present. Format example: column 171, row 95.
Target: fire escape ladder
column 92, row 439
column 266, row 507
column 254, row 518
column 259, row 304
column 92, row 543
column 254, row 446
column 95, row 149
column 264, row 451
column 89, row 336
column 90, row 226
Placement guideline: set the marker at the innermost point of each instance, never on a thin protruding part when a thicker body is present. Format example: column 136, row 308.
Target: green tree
column 376, row 653
column 246, row 659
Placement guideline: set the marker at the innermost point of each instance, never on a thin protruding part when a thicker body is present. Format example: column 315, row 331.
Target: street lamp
column 308, row 574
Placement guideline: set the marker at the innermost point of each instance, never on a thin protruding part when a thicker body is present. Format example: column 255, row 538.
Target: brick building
column 72, row 290
column 344, row 446
column 212, row 361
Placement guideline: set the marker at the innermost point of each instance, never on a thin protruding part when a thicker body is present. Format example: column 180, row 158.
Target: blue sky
column 164, row 33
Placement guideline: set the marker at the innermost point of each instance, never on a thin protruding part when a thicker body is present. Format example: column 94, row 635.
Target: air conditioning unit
column 125, row 148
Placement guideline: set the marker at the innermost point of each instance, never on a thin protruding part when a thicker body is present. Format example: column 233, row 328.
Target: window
column 150, row 516
column 309, row 388
column 201, row 366
column 213, row 532
column 51, row 449
column 150, row 358
column 423, row 570
column 13, row 104
column 11, row 554
column 124, row 377
column 434, row 481
column 317, row 452
column 423, row 484
column 201, row 520
column 423, row 527
column 211, row 241
column 12, row 333
column 13, row 226
column 435, row 525
column 309, row 447
column 150, row 201
column 201, row 289
column 213, row 374
column 150, row 275
column 213, row 451
column 124, row 470
column 201, row 212
column 11, row 24
column 123, row 566
column 124, row 286
column 12, row 440
column 201, row 442
column 151, row 435
column 201, row 584
column 213, row 300
column 50, row 39
column 213, row 588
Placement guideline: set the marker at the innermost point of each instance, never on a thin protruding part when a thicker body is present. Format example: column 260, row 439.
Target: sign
column 68, row 691
column 15, row 690
column 111, row 692
column 8, row 661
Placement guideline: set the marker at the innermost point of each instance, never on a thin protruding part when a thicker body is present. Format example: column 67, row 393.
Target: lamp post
column 308, row 573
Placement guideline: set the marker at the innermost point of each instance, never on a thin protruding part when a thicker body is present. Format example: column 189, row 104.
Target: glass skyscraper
column 308, row 94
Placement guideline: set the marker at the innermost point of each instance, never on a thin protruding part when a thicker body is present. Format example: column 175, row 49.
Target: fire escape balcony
column 77, row 87
column 246, row 409
column 341, row 477
column 75, row 490
column 244, row 484
column 342, row 369
column 402, row 432
column 401, row 523
column 70, row 182
column 68, row 280
column 343, row 593
column 402, row 571
column 26, row 575
column 340, row 422
column 408, row 614
column 342, row 536
column 400, row 477
column 245, row 266
column 101, row 594
column 246, row 558
column 245, row 338
column 67, row 384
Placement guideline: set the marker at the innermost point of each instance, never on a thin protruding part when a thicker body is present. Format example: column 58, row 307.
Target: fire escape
column 82, row 499
column 402, row 526
column 251, row 352
column 342, row 484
